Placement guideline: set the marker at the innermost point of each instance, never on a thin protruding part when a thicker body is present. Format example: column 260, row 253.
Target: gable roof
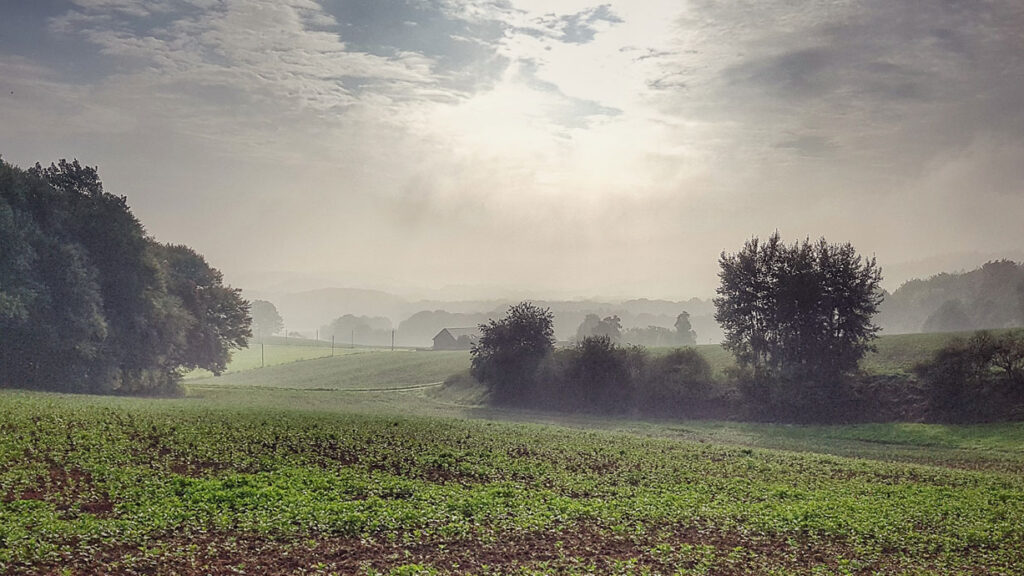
column 456, row 333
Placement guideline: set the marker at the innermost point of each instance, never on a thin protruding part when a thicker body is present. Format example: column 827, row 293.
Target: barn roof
column 456, row 333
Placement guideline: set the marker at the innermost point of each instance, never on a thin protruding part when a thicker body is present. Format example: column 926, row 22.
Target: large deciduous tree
column 217, row 318
column 799, row 314
column 90, row 303
column 511, row 349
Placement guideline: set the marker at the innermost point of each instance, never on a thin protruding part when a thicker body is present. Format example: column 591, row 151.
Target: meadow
column 364, row 464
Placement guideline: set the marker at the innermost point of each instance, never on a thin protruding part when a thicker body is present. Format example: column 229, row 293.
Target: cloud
column 562, row 139
column 576, row 28
column 885, row 79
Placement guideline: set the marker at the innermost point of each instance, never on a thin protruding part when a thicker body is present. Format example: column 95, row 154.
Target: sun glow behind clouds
column 563, row 140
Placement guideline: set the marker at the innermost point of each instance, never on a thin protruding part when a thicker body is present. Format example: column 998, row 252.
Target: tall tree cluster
column 89, row 302
column 511, row 350
column 798, row 315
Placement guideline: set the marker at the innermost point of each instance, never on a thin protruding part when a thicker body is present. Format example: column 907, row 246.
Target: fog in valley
column 461, row 156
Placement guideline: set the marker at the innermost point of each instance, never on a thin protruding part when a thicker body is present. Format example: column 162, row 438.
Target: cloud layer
column 578, row 147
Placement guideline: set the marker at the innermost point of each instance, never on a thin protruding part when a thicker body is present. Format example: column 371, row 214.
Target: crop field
column 364, row 464
column 201, row 486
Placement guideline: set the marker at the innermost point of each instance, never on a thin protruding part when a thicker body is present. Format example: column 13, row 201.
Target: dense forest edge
column 90, row 303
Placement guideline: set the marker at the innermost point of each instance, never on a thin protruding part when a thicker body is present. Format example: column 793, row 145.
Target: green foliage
column 511, row 349
column 89, row 303
column 798, row 317
column 676, row 384
column 979, row 378
column 594, row 375
column 216, row 318
column 127, row 486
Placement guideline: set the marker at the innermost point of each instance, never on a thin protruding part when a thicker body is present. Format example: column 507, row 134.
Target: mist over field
column 463, row 150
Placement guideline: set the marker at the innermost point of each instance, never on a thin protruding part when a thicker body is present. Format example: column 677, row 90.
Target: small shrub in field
column 679, row 382
column 593, row 375
column 510, row 351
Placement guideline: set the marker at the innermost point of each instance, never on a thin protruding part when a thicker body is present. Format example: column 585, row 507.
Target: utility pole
column 332, row 345
column 262, row 355
column 392, row 340
column 353, row 343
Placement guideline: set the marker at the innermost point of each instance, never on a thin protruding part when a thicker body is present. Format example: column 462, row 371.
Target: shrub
column 510, row 351
column 975, row 379
column 677, row 383
column 594, row 375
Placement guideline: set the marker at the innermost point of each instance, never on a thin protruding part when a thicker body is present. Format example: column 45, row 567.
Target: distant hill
column 989, row 297
column 310, row 309
column 416, row 322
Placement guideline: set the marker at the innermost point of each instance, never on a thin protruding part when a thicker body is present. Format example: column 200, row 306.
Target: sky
column 554, row 148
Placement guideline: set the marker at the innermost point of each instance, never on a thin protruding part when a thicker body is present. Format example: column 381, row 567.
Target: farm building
column 456, row 338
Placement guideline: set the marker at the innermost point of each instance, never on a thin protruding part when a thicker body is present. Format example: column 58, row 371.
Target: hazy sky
column 561, row 146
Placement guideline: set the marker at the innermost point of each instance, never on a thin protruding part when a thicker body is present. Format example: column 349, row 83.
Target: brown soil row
column 590, row 549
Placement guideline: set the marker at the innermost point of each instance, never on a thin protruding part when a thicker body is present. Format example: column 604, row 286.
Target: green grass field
column 360, row 464
column 354, row 369
column 895, row 354
column 281, row 352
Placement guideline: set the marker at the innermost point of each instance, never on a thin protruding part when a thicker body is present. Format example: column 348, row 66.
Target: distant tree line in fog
column 610, row 327
column 988, row 298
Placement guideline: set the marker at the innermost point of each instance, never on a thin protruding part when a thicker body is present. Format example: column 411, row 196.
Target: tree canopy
column 89, row 302
column 511, row 349
column 801, row 312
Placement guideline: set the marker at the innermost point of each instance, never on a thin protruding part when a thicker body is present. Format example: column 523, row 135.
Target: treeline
column 988, row 298
column 366, row 330
column 976, row 379
column 610, row 327
column 798, row 320
column 517, row 360
column 597, row 375
column 90, row 303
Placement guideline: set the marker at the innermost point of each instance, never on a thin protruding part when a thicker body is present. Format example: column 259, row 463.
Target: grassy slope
column 895, row 354
column 360, row 369
column 276, row 354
